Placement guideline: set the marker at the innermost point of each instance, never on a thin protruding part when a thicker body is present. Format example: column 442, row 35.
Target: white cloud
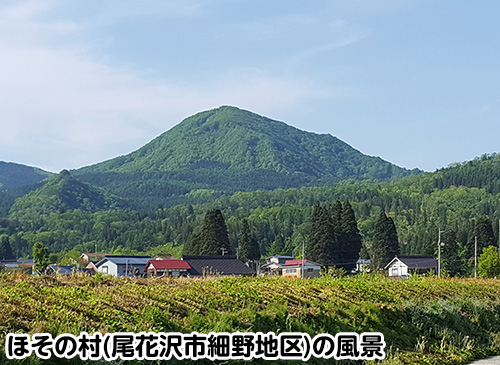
column 62, row 107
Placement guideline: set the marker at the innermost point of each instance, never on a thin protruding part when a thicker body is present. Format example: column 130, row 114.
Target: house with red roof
column 170, row 267
column 301, row 269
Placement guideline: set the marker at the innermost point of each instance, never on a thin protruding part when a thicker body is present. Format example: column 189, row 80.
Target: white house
column 122, row 265
column 293, row 268
column 404, row 266
column 274, row 264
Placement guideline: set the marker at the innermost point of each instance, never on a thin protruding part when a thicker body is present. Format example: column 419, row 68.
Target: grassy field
column 425, row 320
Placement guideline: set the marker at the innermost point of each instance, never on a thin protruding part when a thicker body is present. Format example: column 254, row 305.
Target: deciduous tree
column 40, row 258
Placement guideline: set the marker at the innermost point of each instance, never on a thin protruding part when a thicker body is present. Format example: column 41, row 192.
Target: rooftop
column 169, row 264
column 125, row 260
column 218, row 265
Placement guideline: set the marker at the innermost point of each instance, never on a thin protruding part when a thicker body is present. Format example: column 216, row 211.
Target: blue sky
column 414, row 82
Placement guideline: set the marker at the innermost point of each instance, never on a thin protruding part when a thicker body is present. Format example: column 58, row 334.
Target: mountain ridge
column 229, row 137
column 225, row 150
column 62, row 193
column 15, row 174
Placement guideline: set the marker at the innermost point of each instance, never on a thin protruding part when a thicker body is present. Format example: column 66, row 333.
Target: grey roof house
column 217, row 265
column 122, row 265
column 65, row 270
column 404, row 266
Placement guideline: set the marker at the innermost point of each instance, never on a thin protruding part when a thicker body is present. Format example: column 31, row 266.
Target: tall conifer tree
column 351, row 242
column 5, row 249
column 336, row 249
column 213, row 238
column 452, row 255
column 483, row 230
column 248, row 247
column 385, row 243
column 321, row 238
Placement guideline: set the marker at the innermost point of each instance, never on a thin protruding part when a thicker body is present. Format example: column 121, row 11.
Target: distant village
column 222, row 265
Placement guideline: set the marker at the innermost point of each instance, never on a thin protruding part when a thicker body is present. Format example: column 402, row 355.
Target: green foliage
column 69, row 258
column 282, row 216
column 483, row 230
column 277, row 247
column 334, row 238
column 322, row 238
column 5, row 249
column 213, row 238
column 488, row 264
column 14, row 175
column 385, row 244
column 248, row 247
column 60, row 194
column 350, row 242
column 228, row 150
column 41, row 258
column 454, row 254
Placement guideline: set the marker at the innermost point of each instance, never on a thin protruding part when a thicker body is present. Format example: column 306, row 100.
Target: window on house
column 310, row 269
column 104, row 269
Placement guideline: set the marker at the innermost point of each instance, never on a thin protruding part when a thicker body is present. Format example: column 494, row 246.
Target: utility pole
column 439, row 251
column 475, row 257
column 303, row 259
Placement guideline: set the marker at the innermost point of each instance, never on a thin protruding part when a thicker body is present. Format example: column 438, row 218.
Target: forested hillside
column 281, row 219
column 13, row 174
column 60, row 194
column 228, row 150
column 154, row 200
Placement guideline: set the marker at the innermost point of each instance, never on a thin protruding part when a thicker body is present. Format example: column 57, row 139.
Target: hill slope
column 229, row 149
column 61, row 193
column 13, row 174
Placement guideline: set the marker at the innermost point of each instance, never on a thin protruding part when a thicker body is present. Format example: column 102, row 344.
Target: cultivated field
column 425, row 320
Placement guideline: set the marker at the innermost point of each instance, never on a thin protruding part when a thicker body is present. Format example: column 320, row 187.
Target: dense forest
column 281, row 219
column 273, row 184
column 226, row 150
column 13, row 174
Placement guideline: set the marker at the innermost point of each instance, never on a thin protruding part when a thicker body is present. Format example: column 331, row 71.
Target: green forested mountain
column 281, row 219
column 13, row 175
column 61, row 193
column 227, row 150
column 218, row 159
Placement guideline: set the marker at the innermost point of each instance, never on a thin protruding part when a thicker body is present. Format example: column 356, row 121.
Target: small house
column 362, row 265
column 225, row 265
column 404, row 266
column 65, row 270
column 301, row 269
column 92, row 257
column 170, row 267
column 120, row 265
column 274, row 264
column 9, row 263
